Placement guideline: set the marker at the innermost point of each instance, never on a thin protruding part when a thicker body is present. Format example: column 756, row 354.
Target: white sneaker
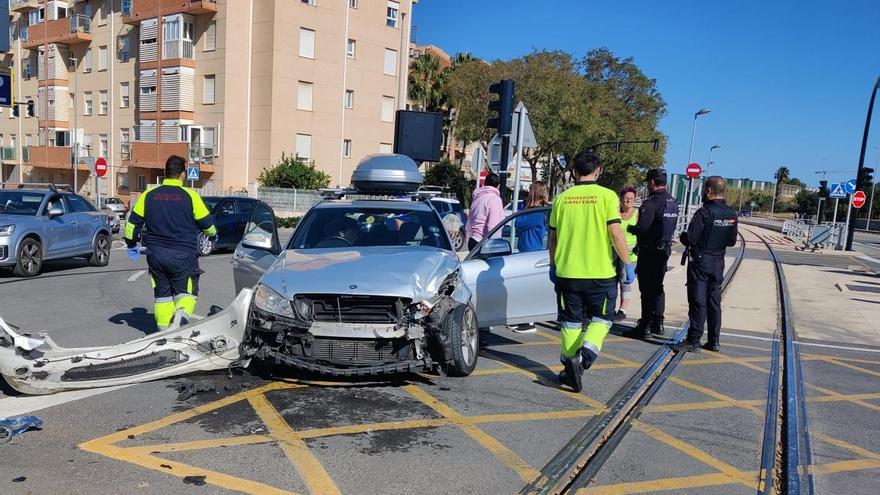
column 524, row 328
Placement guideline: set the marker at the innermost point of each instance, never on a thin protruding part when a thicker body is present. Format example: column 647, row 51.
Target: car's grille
column 355, row 309
column 3, row 254
column 354, row 351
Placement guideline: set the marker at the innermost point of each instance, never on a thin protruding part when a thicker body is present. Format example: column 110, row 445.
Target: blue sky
column 787, row 81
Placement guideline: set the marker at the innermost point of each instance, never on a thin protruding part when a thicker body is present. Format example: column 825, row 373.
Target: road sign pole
column 848, row 211
column 871, row 205
column 519, row 150
column 836, row 200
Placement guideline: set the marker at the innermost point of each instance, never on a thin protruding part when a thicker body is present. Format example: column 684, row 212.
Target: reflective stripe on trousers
column 574, row 337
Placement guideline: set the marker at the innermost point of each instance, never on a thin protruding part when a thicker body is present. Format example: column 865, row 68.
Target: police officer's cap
column 656, row 173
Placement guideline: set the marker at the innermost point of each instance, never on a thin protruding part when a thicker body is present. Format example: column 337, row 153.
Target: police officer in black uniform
column 658, row 216
column 712, row 230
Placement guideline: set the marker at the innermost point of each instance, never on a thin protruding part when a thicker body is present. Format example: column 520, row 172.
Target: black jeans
column 651, row 268
column 704, row 277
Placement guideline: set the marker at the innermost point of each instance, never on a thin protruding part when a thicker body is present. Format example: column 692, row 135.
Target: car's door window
column 526, row 231
column 55, row 202
column 441, row 206
column 262, row 223
column 78, row 205
column 245, row 206
column 226, row 208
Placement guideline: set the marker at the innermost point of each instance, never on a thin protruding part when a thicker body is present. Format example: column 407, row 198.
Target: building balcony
column 23, row 5
column 7, row 154
column 134, row 11
column 153, row 155
column 67, row 31
column 57, row 157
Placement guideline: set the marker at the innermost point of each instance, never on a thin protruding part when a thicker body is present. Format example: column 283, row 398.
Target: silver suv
column 44, row 224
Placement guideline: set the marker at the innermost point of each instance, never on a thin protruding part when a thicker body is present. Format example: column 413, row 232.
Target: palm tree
column 461, row 58
column 427, row 83
column 782, row 176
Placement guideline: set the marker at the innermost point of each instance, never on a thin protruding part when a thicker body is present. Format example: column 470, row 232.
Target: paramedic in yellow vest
column 629, row 215
column 170, row 217
column 584, row 229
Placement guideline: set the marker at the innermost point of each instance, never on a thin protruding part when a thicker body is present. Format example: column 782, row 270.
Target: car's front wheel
column 462, row 335
column 205, row 245
column 458, row 239
column 100, row 251
column 29, row 260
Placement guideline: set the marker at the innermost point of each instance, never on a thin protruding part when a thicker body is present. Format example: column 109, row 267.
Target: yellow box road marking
column 685, row 482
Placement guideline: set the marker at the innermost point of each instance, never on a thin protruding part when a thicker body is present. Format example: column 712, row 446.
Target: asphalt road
column 487, row 433
column 869, row 244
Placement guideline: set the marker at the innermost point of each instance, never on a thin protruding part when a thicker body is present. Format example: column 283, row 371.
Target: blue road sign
column 192, row 173
column 5, row 88
column 850, row 186
column 836, row 191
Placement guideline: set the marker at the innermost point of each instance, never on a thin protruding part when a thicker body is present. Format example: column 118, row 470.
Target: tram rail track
column 785, row 449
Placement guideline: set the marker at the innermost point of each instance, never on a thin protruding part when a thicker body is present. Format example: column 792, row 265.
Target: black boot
column 687, row 346
column 640, row 331
column 712, row 346
column 573, row 373
column 657, row 327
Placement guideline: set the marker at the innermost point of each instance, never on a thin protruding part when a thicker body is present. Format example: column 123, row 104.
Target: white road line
column 16, row 406
column 136, row 275
column 811, row 344
column 868, row 258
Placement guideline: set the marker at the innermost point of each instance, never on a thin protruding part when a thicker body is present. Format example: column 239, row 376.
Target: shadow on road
column 137, row 318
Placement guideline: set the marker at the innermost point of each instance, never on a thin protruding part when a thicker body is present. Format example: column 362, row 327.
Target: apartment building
column 231, row 85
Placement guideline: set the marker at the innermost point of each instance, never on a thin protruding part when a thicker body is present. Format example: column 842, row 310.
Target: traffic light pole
column 851, row 230
column 504, row 164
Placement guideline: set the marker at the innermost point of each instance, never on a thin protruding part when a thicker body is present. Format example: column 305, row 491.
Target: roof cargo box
column 386, row 174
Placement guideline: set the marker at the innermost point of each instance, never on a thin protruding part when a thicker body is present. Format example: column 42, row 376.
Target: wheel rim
column 30, row 258
column 457, row 240
column 468, row 337
column 204, row 244
column 102, row 249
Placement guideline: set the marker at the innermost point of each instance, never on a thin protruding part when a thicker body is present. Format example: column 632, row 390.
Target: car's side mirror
column 258, row 240
column 495, row 247
column 55, row 212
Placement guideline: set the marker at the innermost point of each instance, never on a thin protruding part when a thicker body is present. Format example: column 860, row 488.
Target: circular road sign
column 858, row 199
column 100, row 167
column 694, row 170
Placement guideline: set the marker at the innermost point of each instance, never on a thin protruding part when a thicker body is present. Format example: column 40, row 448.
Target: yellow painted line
column 308, row 466
column 847, row 446
column 844, row 398
column 202, row 444
column 537, row 416
column 550, row 383
column 713, row 394
column 845, row 466
column 181, row 470
column 698, row 454
column 743, row 346
column 852, row 367
column 847, row 359
column 505, row 455
column 364, row 428
column 549, row 336
column 685, row 482
column 618, row 359
column 699, row 406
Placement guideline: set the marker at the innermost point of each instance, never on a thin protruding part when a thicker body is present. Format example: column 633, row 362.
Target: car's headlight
column 7, row 229
column 270, row 301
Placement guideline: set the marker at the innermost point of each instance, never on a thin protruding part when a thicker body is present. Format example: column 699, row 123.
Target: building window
column 102, row 58
column 122, row 179
column 390, row 62
column 87, row 61
column 87, row 103
column 141, row 182
column 310, row 2
column 102, row 14
column 346, row 148
column 353, row 4
column 386, row 148
column 304, row 146
column 125, row 144
column 103, row 145
column 208, row 89
column 349, row 98
column 392, row 13
column 211, row 37
column 387, row 109
column 148, row 90
column 304, row 94
column 306, row 43
column 124, row 96
column 102, row 102
column 27, row 69
column 124, row 48
column 350, row 48
column 177, row 36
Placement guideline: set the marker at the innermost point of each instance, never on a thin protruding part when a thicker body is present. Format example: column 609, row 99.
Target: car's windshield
column 20, row 203
column 369, row 226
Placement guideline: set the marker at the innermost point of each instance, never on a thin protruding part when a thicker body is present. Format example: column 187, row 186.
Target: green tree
column 468, row 87
column 806, row 202
column 295, row 173
column 427, row 83
column 782, row 175
column 450, row 175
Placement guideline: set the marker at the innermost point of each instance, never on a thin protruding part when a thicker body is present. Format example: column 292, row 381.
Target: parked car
column 449, row 206
column 373, row 286
column 115, row 205
column 231, row 214
column 745, row 213
column 37, row 225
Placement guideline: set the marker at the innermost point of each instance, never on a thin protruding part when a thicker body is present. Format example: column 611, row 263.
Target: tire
column 206, row 247
column 101, row 250
column 29, row 259
column 463, row 336
column 458, row 240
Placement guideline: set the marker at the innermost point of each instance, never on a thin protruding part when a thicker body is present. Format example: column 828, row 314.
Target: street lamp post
column 709, row 161
column 873, row 188
column 75, row 141
column 687, row 199
column 852, row 226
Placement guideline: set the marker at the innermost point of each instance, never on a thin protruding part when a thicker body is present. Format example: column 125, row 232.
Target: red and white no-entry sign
column 858, row 199
column 100, row 167
column 694, row 170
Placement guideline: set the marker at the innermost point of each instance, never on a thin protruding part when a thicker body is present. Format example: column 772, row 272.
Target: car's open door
column 257, row 249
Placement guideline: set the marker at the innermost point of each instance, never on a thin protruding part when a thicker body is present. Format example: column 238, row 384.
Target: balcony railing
column 80, row 23
column 200, row 153
column 126, row 8
column 23, row 34
column 7, row 153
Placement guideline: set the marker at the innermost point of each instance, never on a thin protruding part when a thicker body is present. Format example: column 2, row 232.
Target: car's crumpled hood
column 413, row 272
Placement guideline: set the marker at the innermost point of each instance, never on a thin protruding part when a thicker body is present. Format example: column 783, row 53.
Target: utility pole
column 851, row 229
column 75, row 140
column 687, row 199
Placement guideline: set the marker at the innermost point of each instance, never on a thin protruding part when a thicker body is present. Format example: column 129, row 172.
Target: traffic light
column 30, row 108
column 503, row 106
column 823, row 188
column 865, row 177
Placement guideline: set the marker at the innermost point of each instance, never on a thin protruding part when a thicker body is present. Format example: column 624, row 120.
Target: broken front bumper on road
column 34, row 364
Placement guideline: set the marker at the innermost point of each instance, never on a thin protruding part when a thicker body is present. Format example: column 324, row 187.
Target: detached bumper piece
column 409, row 366
column 34, row 364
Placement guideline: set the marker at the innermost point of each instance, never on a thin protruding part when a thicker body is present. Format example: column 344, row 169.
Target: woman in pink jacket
column 486, row 211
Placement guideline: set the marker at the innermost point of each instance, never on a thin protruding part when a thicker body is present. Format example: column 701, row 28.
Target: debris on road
column 19, row 479
column 187, row 389
column 195, row 480
column 13, row 427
